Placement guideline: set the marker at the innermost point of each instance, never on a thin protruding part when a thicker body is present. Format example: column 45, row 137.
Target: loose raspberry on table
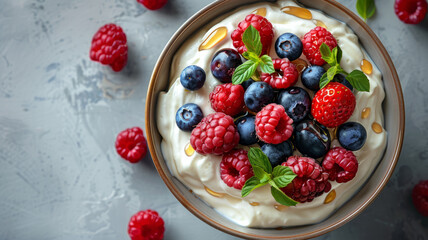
column 131, row 144
column 420, row 197
column 216, row 134
column 312, row 42
column 146, row 225
column 411, row 11
column 285, row 74
column 228, row 98
column 273, row 125
column 109, row 47
column 311, row 181
column 235, row 168
column 262, row 25
column 333, row 105
column 340, row 164
column 153, row 4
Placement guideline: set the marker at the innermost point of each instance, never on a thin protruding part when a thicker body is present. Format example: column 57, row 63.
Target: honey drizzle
column 300, row 64
column 212, row 193
column 330, row 197
column 188, row 149
column 319, row 23
column 254, row 203
column 298, row 12
column 377, row 128
column 280, row 207
column 365, row 113
column 260, row 12
column 366, row 67
column 215, row 37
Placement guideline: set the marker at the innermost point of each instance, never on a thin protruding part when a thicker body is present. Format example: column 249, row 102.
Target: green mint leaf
column 282, row 176
column 331, row 72
column 251, row 184
column 258, row 159
column 266, row 64
column 244, row 71
column 366, row 8
column 324, row 80
column 260, row 174
column 327, row 55
column 359, row 81
column 251, row 56
column 281, row 198
column 338, row 54
column 251, row 39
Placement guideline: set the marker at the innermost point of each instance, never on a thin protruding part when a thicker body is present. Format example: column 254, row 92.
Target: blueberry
column 224, row 64
column 278, row 153
column 312, row 139
column 192, row 77
column 247, row 130
column 188, row 116
column 288, row 46
column 247, row 83
column 311, row 77
column 341, row 79
column 296, row 102
column 258, row 95
column 351, row 135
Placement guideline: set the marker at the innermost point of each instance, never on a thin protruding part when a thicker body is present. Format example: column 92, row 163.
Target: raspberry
column 411, row 11
column 131, row 144
column 109, row 47
column 285, row 74
column 312, row 42
column 153, row 4
column 420, row 197
column 235, row 168
column 228, row 98
column 216, row 133
column 333, row 105
column 273, row 125
column 262, row 25
column 146, row 225
column 311, row 181
column 340, row 164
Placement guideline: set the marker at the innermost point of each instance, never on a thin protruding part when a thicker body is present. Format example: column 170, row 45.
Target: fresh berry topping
column 261, row 24
column 224, row 63
column 296, row 102
column 131, row 144
column 258, row 95
column 333, row 105
column 311, row 139
column 235, row 168
column 311, row 180
column 188, row 116
column 411, row 11
column 340, row 164
column 311, row 77
column 146, row 225
column 192, row 77
column 273, row 125
column 227, row 98
column 420, row 197
column 247, row 83
column 351, row 135
column 216, row 134
column 312, row 42
column 247, row 130
column 288, row 46
column 285, row 74
column 277, row 153
column 109, row 47
column 340, row 78
column 153, row 4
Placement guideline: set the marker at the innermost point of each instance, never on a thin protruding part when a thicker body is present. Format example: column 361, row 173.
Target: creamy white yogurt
column 198, row 171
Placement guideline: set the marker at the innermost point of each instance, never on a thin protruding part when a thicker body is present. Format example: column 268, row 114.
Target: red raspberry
column 411, row 11
column 109, row 47
column 228, row 98
column 153, row 4
column 340, row 164
column 235, row 168
column 285, row 74
column 273, row 125
column 420, row 197
column 216, row 134
column 131, row 144
column 333, row 104
column 311, row 180
column 262, row 25
column 146, row 225
column 312, row 42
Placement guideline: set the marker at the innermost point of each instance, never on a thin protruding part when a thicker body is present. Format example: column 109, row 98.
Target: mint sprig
column 356, row 78
column 278, row 177
column 251, row 40
column 366, row 8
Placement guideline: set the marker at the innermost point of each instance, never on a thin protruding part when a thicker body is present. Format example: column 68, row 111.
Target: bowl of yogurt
column 194, row 178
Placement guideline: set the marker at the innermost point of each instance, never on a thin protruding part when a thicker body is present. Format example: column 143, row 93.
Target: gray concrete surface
column 60, row 177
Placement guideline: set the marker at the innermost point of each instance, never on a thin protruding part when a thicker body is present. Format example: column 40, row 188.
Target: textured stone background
column 60, row 177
